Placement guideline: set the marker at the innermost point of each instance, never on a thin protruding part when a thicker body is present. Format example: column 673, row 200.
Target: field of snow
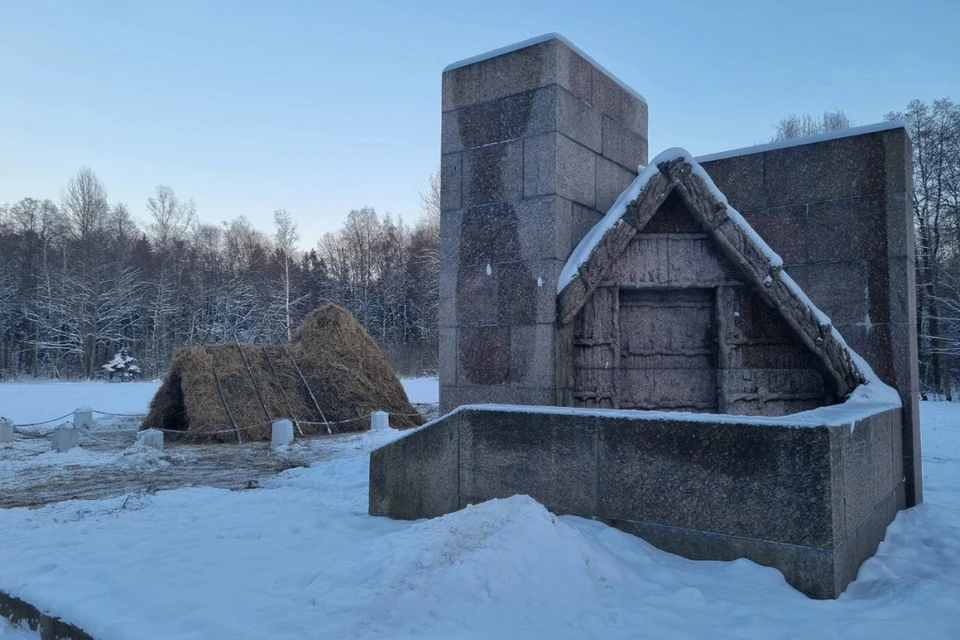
column 9, row 632
column 33, row 402
column 299, row 557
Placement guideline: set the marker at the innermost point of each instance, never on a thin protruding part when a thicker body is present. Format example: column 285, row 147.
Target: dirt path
column 32, row 476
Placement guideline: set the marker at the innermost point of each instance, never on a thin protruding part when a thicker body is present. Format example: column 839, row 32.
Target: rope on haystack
column 253, row 380
column 283, row 394
column 226, row 406
column 309, row 390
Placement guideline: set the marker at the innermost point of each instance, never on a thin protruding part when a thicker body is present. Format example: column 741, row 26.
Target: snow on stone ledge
column 510, row 48
column 796, row 142
column 865, row 401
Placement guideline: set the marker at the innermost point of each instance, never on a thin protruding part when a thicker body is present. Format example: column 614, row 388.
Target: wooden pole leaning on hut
column 226, row 407
column 253, row 380
column 309, row 390
column 283, row 394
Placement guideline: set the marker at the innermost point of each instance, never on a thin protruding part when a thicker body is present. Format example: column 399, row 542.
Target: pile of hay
column 212, row 391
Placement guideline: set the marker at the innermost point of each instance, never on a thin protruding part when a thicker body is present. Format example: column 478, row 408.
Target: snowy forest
column 81, row 279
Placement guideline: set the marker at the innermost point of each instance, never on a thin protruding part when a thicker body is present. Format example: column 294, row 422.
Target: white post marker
column 65, row 438
column 83, row 418
column 152, row 438
column 282, row 433
column 6, row 431
column 379, row 421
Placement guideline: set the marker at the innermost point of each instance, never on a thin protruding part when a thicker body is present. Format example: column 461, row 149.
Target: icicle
column 489, row 269
column 539, row 282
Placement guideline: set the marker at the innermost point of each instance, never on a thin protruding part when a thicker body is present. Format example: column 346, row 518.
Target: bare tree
column 170, row 218
column 85, row 203
column 286, row 238
column 794, row 126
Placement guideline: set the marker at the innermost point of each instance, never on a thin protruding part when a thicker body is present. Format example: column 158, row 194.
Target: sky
column 323, row 107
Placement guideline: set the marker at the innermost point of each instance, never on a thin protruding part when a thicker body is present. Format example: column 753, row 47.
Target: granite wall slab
column 810, row 500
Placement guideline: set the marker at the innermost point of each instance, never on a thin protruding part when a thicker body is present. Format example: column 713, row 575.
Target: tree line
column 80, row 280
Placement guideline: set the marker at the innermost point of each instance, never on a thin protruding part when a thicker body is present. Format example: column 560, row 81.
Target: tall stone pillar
column 537, row 143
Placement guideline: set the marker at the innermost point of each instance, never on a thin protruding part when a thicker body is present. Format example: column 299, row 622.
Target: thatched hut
column 328, row 378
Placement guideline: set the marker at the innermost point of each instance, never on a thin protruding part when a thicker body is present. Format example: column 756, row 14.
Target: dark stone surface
column 574, row 73
column 689, row 474
column 448, row 299
column 472, row 126
column 578, row 121
column 848, row 229
column 451, row 221
column 540, row 165
column 873, row 343
column 576, row 172
column 484, row 354
column 504, row 454
column 531, row 356
column 521, row 300
column 448, row 354
column 845, row 167
column 460, row 87
column 740, row 178
column 633, row 114
column 451, row 170
column 477, row 296
column 543, row 228
column 529, row 114
column 417, row 476
column 896, row 278
column 846, row 564
column 516, row 294
column 837, row 489
column 612, row 179
column 453, row 397
column 873, row 529
column 622, row 145
column 901, row 238
column 833, row 287
column 493, row 173
column 785, row 230
column 807, row 569
column 522, row 70
column 607, row 96
column 867, row 466
column 489, row 235
column 583, row 219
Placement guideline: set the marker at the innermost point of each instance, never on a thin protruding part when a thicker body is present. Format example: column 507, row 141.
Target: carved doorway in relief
column 668, row 350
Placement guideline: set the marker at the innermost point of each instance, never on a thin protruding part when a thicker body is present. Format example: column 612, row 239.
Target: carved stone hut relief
column 678, row 305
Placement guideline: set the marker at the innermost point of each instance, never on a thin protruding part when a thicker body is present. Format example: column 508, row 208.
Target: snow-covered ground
column 299, row 557
column 9, row 632
column 31, row 474
column 34, row 402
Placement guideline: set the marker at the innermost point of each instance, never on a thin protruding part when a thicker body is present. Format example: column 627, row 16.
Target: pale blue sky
column 320, row 107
